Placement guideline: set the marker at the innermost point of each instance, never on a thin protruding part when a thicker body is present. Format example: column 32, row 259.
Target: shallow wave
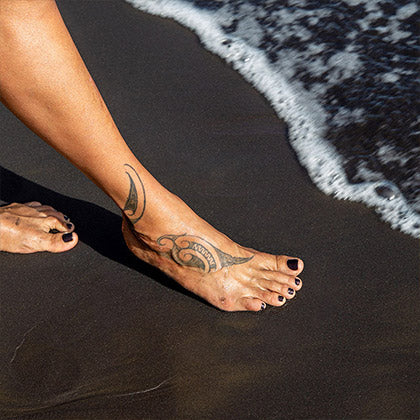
column 330, row 86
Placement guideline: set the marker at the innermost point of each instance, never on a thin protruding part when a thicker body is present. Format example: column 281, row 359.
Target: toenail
column 297, row 282
column 293, row 264
column 69, row 225
column 66, row 217
column 281, row 298
column 67, row 237
column 290, row 291
column 263, row 306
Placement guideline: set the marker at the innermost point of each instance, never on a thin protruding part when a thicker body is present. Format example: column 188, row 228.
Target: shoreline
column 302, row 112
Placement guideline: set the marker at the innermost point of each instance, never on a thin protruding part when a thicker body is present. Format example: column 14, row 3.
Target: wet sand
column 96, row 334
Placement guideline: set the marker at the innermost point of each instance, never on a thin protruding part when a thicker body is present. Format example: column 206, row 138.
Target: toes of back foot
column 61, row 242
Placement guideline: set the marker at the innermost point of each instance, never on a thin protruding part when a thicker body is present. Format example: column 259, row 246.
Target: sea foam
column 238, row 38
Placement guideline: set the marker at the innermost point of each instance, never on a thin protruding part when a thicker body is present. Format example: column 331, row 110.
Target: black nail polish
column 66, row 217
column 263, row 306
column 67, row 237
column 69, row 225
column 290, row 291
column 297, row 282
column 281, row 298
column 293, row 264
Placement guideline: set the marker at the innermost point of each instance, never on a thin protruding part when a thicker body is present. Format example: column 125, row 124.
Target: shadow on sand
column 97, row 227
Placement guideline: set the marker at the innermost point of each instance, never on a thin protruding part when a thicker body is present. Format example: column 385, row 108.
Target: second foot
column 33, row 227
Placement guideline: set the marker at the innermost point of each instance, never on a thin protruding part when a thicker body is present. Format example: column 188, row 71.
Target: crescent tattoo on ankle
column 136, row 201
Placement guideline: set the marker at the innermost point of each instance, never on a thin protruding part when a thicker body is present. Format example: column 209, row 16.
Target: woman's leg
column 44, row 81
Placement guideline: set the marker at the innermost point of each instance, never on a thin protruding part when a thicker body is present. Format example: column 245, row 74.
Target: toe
column 276, row 289
column 65, row 221
column 59, row 242
column 42, row 208
column 271, row 297
column 253, row 304
column 289, row 265
column 282, row 279
column 288, row 293
column 33, row 204
column 52, row 223
column 297, row 283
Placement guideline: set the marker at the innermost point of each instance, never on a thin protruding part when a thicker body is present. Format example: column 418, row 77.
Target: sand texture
column 96, row 334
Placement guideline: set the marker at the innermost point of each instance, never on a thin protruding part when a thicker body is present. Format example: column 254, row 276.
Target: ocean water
column 342, row 74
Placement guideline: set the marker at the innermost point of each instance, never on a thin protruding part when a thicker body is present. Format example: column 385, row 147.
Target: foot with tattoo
column 33, row 227
column 169, row 235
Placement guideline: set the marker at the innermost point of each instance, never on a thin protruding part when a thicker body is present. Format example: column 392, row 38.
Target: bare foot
column 32, row 227
column 208, row 263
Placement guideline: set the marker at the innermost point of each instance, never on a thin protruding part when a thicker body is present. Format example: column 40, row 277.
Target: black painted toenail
column 67, row 237
column 290, row 291
column 69, row 225
column 297, row 282
column 66, row 217
column 263, row 306
column 281, row 298
column 293, row 264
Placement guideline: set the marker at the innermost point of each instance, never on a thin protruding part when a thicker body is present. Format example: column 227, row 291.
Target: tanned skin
column 45, row 83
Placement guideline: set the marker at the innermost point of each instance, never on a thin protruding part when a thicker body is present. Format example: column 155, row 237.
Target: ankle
column 164, row 214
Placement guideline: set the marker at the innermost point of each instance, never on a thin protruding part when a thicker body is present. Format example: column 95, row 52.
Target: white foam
column 299, row 108
column 390, row 77
column 406, row 11
column 343, row 65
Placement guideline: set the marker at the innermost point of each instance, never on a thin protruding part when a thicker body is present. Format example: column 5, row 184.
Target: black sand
column 95, row 334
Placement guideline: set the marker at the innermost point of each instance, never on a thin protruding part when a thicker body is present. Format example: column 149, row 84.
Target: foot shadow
column 97, row 227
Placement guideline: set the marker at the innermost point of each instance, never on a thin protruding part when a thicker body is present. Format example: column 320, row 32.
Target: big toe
column 59, row 242
column 289, row 265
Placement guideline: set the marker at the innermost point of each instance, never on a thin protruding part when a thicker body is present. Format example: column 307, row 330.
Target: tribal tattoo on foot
column 136, row 200
column 186, row 250
column 193, row 251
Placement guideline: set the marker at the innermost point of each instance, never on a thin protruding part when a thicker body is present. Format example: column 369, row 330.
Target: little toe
column 253, row 304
